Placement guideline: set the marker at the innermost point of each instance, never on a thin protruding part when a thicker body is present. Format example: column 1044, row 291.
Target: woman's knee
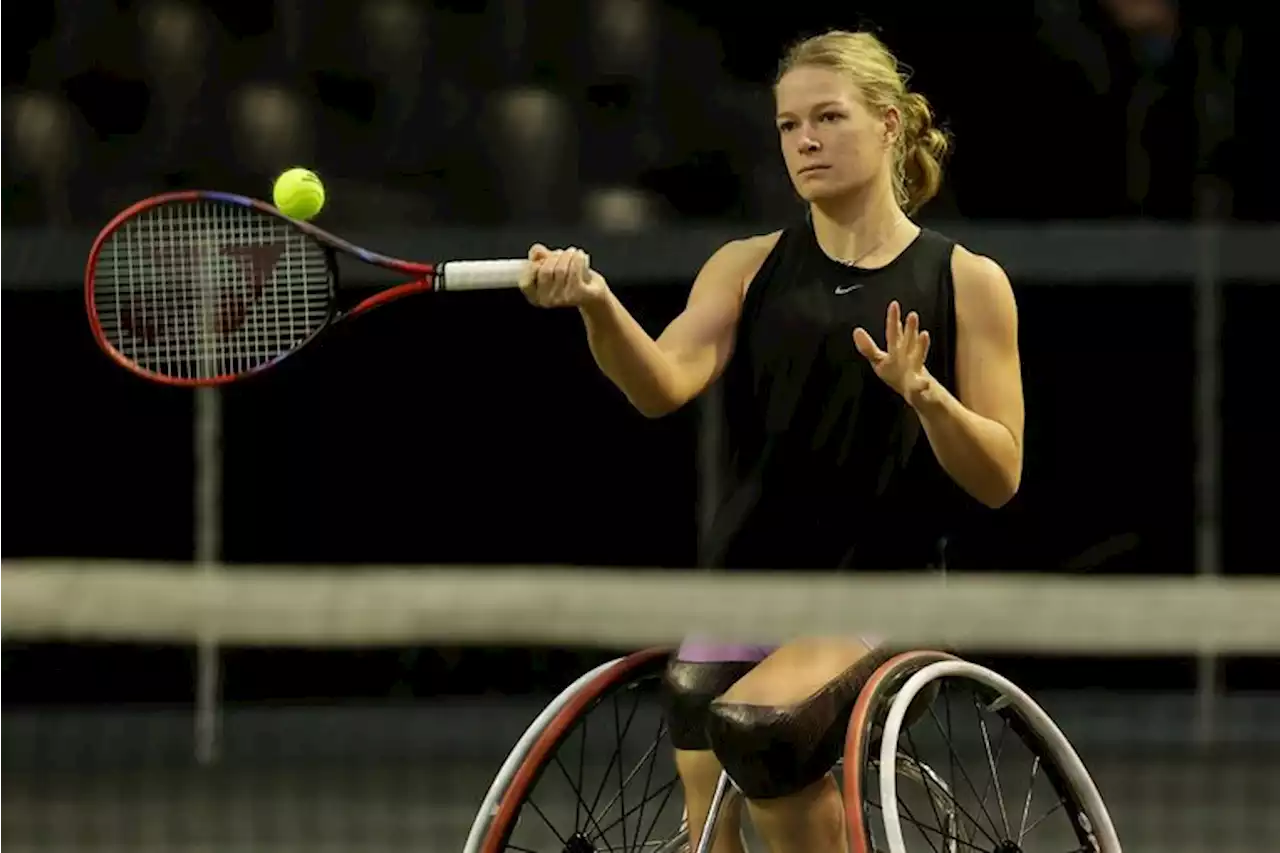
column 689, row 687
column 789, row 734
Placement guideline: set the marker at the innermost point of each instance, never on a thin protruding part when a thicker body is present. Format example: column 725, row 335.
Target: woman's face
column 831, row 142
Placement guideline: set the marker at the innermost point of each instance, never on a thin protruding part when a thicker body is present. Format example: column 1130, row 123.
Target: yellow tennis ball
column 298, row 193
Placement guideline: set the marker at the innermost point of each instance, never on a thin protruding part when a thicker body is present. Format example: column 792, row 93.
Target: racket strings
column 200, row 290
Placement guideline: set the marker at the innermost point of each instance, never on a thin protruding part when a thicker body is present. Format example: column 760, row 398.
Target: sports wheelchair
column 594, row 772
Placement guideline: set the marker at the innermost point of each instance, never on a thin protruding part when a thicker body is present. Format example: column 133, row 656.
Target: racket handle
column 481, row 275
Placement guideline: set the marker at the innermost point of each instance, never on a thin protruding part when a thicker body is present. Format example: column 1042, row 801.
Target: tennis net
column 165, row 707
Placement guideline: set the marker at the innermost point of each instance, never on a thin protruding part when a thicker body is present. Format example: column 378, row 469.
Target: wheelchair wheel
column 981, row 768
column 594, row 772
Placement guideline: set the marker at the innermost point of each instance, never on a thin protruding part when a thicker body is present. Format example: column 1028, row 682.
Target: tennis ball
column 298, row 193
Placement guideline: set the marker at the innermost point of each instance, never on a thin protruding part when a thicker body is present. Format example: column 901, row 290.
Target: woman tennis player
column 871, row 373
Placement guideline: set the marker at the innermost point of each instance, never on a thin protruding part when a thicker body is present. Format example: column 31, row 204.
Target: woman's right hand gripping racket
column 204, row 288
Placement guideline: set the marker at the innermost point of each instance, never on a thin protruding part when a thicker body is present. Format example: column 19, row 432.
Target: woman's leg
column 699, row 772
column 699, row 672
column 788, row 697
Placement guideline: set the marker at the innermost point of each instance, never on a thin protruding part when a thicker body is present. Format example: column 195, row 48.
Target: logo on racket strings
column 257, row 262
column 187, row 277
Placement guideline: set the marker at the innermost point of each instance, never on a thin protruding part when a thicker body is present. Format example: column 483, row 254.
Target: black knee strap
column 775, row 751
column 688, row 688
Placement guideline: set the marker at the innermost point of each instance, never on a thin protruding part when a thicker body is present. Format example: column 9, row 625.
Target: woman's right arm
column 660, row 376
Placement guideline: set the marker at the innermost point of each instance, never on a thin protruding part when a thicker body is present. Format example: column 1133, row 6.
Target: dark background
column 458, row 431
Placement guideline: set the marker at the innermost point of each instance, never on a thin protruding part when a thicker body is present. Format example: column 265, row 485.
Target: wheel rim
column 601, row 776
column 1011, row 780
column 858, row 772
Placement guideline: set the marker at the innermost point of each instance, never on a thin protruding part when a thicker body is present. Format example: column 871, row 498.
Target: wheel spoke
column 962, row 825
column 954, row 756
column 549, row 824
column 581, row 801
column 1026, row 805
column 622, row 817
column 610, row 817
column 651, row 755
column 991, row 765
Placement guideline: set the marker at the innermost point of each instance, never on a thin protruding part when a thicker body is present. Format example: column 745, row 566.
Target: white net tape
column 315, row 606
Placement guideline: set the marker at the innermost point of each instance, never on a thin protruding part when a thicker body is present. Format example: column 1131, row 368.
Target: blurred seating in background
column 617, row 113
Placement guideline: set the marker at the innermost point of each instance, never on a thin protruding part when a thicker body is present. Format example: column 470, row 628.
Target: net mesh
column 195, row 290
column 478, row 654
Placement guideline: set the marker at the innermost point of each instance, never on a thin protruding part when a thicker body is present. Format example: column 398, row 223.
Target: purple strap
column 708, row 651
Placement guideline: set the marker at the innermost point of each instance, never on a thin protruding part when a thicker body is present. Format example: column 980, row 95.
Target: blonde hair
column 920, row 148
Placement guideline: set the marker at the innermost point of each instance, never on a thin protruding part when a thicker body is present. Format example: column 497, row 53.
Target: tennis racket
column 203, row 288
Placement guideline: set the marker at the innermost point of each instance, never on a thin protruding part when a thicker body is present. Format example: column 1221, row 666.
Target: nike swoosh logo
column 850, row 288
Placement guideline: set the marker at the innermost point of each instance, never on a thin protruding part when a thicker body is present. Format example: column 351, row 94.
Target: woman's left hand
column 901, row 363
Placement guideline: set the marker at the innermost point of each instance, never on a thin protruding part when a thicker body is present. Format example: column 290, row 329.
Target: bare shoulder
column 736, row 263
column 749, row 252
column 977, row 270
column 982, row 289
column 761, row 243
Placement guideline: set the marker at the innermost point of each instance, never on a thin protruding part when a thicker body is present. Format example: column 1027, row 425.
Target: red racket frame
column 425, row 281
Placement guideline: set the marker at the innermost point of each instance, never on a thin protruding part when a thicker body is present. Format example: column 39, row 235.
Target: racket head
column 202, row 288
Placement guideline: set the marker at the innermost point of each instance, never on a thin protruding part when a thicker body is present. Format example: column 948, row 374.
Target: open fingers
column 866, row 345
column 911, row 327
column 892, row 326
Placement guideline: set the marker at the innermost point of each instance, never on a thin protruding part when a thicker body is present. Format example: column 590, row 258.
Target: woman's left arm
column 977, row 437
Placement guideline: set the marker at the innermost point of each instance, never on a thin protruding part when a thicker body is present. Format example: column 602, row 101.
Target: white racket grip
column 481, row 275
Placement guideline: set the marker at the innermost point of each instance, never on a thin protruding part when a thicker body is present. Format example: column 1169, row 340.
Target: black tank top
column 822, row 464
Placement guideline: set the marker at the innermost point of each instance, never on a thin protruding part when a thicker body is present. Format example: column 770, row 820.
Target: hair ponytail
column 922, row 150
